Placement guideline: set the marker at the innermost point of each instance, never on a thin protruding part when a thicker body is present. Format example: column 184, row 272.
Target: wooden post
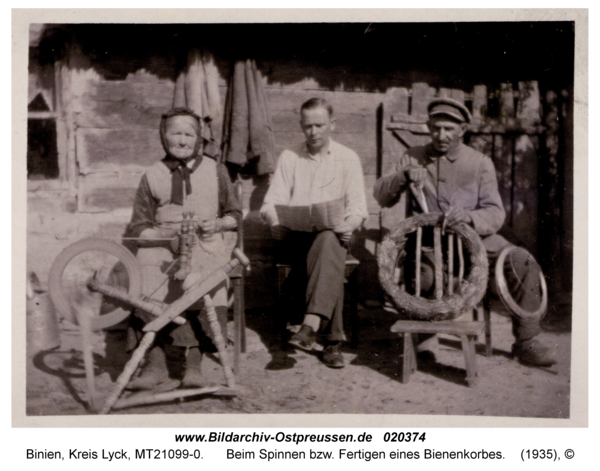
column 567, row 202
column 83, row 318
column 525, row 184
column 480, row 103
column 418, row 262
column 468, row 347
column 461, row 261
column 154, row 398
column 218, row 340
column 458, row 95
column 529, row 104
column 507, row 103
column 438, row 261
column 395, row 102
column 422, row 94
column 130, row 367
column 503, row 161
column 450, row 263
column 550, row 202
column 408, row 357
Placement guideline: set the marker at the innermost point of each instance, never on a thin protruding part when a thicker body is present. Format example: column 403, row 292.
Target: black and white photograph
column 299, row 216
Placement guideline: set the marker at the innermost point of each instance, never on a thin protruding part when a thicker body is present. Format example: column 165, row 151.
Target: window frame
column 63, row 182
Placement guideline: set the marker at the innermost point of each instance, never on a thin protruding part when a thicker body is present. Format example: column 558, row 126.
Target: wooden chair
column 237, row 277
column 350, row 279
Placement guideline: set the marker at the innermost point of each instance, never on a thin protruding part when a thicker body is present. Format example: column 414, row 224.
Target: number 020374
column 404, row 436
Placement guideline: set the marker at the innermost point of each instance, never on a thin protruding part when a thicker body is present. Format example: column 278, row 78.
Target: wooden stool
column 350, row 279
column 467, row 331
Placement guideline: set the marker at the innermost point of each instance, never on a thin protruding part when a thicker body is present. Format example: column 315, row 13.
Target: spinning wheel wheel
column 447, row 304
column 504, row 293
column 111, row 263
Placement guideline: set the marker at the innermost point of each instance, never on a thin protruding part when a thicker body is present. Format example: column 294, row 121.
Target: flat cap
column 449, row 107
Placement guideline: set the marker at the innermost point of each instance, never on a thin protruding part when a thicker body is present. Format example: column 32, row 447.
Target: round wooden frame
column 470, row 292
column 56, row 288
column 505, row 295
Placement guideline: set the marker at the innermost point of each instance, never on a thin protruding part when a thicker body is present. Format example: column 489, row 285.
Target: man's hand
column 416, row 175
column 343, row 231
column 279, row 232
column 456, row 215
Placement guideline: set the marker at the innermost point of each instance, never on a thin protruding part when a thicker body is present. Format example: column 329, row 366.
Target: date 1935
column 542, row 454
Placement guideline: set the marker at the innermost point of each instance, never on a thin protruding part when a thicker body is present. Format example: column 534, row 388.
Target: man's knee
column 326, row 240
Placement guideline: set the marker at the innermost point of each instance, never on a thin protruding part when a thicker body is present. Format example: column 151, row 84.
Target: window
column 45, row 164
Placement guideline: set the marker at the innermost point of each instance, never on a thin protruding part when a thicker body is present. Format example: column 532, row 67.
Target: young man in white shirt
column 321, row 172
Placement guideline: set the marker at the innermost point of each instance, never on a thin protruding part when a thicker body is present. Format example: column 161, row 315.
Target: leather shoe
column 304, row 338
column 332, row 355
column 193, row 375
column 533, row 353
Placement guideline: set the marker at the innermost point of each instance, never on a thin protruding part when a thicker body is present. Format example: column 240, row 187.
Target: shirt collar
column 326, row 150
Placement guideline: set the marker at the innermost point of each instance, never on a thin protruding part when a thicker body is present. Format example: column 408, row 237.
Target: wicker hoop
column 505, row 295
column 469, row 293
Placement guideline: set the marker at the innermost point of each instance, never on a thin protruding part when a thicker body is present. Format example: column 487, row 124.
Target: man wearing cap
column 460, row 182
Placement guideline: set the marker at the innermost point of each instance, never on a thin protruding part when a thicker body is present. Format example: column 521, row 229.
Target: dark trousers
column 318, row 261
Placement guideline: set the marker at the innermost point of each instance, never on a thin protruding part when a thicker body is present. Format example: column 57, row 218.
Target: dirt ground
column 272, row 380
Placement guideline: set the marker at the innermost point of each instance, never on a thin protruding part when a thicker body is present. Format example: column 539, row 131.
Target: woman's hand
column 158, row 233
column 207, row 227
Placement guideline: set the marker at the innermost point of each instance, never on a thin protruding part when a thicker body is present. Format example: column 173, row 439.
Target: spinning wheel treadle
column 124, row 274
column 451, row 305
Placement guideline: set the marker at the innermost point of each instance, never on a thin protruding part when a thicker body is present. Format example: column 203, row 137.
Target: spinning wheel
column 504, row 293
column 447, row 303
column 111, row 263
column 95, row 275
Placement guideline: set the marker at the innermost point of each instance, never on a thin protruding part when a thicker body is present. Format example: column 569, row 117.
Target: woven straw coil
column 469, row 293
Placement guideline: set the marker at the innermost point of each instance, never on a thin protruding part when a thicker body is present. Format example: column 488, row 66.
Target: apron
column 207, row 255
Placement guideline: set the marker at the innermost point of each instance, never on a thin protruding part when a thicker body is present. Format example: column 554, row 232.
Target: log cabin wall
column 110, row 98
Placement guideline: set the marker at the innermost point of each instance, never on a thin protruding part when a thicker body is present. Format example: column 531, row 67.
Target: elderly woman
column 183, row 181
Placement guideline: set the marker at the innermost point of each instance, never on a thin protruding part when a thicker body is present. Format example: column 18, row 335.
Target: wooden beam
column 479, row 105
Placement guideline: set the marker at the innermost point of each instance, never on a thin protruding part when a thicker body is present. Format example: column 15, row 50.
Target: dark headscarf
column 180, row 171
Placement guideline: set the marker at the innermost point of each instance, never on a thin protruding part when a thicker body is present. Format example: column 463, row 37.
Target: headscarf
column 180, row 171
